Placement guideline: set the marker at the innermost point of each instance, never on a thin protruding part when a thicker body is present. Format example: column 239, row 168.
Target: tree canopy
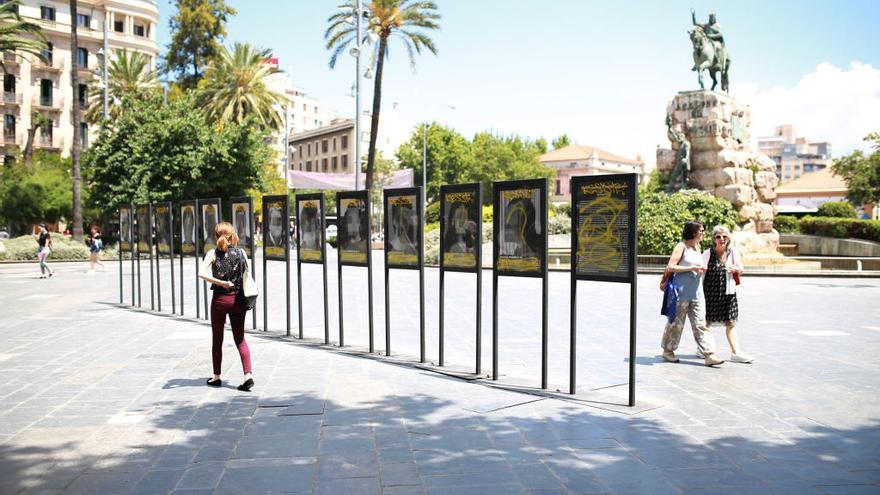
column 861, row 173
column 197, row 32
column 128, row 74
column 36, row 192
column 166, row 151
column 561, row 142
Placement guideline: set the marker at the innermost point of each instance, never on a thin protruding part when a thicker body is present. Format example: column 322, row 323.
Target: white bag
column 249, row 286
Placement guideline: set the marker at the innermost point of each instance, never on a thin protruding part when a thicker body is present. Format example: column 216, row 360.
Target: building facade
column 794, row 156
column 32, row 85
column 328, row 149
column 575, row 160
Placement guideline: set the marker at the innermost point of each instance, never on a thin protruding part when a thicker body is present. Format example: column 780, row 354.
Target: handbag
column 669, row 307
column 249, row 291
column 736, row 275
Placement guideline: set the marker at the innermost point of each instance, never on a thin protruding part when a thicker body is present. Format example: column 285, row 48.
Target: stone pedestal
column 718, row 128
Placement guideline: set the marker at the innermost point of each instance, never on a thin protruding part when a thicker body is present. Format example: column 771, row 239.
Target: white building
column 794, row 156
column 576, row 160
column 33, row 85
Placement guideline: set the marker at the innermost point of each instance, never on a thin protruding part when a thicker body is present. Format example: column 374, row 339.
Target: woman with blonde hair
column 225, row 268
column 723, row 268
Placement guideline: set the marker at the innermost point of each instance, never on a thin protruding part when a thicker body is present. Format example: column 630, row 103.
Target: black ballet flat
column 247, row 385
column 212, row 382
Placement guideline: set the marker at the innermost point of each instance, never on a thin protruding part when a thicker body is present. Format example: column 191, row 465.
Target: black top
column 44, row 239
column 229, row 266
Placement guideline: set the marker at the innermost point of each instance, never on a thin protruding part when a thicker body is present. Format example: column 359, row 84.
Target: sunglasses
column 720, row 237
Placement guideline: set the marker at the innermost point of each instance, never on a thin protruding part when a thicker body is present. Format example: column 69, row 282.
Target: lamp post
column 357, row 100
column 106, row 54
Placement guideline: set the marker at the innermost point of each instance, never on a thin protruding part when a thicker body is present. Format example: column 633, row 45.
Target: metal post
column 424, row 168
column 387, row 309
column 104, row 75
column 198, row 250
column 440, row 329
column 495, row 322
column 287, row 272
column 158, row 280
column 632, row 340
column 181, row 265
column 299, row 292
column 357, row 106
column 544, row 332
column 171, row 254
column 370, row 274
column 339, row 287
column 572, row 351
column 133, row 247
column 265, row 279
column 150, row 256
column 479, row 335
column 324, row 269
column 422, row 280
column 253, row 260
column 120, row 265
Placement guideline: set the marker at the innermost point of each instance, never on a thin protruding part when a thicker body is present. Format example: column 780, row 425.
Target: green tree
column 128, row 74
column 18, row 35
column 561, row 142
column 197, row 31
column 234, row 88
column 861, row 173
column 449, row 157
column 38, row 192
column 406, row 20
column 164, row 152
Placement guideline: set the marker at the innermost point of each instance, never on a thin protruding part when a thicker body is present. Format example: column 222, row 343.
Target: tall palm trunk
column 75, row 151
column 374, row 120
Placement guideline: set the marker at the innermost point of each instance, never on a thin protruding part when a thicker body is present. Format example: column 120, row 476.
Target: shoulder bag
column 249, row 292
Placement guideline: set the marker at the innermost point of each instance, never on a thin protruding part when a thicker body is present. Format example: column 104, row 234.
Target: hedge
column 24, row 248
column 787, row 224
column 841, row 227
column 662, row 216
column 838, row 209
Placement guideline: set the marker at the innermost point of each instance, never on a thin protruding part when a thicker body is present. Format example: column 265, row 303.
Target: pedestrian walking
column 723, row 269
column 225, row 268
column 686, row 263
column 44, row 240
column 96, row 247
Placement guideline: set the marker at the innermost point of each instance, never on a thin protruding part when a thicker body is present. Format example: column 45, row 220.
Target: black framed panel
column 125, row 230
column 353, row 227
column 461, row 227
column 520, row 228
column 188, row 228
column 162, row 217
column 276, row 238
column 242, row 209
column 144, row 227
column 603, row 217
column 209, row 217
column 403, row 228
column 310, row 228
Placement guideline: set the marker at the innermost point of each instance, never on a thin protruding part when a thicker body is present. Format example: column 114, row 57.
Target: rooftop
column 574, row 152
column 821, row 180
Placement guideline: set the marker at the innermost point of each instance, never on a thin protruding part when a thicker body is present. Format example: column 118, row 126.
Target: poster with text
column 144, row 228
column 403, row 228
column 520, row 228
column 242, row 222
column 310, row 229
column 188, row 227
column 275, row 236
column 603, row 222
column 125, row 243
column 162, row 214
column 210, row 217
column 460, row 226
column 353, row 233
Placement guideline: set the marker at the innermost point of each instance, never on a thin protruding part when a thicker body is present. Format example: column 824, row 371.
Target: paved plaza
column 100, row 398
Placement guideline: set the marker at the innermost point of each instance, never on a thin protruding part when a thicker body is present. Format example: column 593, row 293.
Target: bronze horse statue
column 711, row 56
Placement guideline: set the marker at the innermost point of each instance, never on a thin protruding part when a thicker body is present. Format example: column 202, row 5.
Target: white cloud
column 831, row 104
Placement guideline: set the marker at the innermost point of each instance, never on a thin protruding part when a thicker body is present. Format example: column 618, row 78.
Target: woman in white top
column 719, row 286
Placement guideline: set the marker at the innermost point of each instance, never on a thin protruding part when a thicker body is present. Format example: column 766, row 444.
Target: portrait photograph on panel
column 402, row 237
column 353, row 230
column 125, row 228
column 521, row 237
column 275, row 235
column 241, row 222
column 461, row 220
column 603, row 220
column 163, row 222
column 188, row 229
column 310, row 228
column 210, row 218
column 143, row 228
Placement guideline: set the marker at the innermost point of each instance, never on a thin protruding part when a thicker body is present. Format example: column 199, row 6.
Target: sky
column 602, row 72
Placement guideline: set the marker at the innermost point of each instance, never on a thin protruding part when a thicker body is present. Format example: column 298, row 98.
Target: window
column 119, row 26
column 344, row 163
column 335, row 165
column 84, row 135
column 344, row 142
column 46, row 92
column 324, row 165
column 9, row 127
column 46, row 134
column 324, row 146
column 9, row 83
column 558, row 186
column 83, row 95
column 309, row 166
column 300, row 151
column 334, row 145
column 82, row 58
column 48, row 52
column 309, row 149
column 83, row 21
column 47, row 13
column 316, row 110
column 140, row 30
column 305, row 107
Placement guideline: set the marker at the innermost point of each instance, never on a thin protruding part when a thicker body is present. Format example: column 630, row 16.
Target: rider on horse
column 712, row 29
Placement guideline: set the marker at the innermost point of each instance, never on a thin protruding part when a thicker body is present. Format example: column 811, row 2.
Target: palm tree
column 234, row 88
column 128, row 74
column 76, row 148
column 403, row 19
column 18, row 35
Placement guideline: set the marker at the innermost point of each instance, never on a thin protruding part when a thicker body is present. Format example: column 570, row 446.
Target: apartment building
column 794, row 156
column 329, row 149
column 32, row 85
column 576, row 159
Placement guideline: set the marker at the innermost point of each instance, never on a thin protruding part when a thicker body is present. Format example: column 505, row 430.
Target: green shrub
column 432, row 226
column 564, row 208
column 24, row 248
column 559, row 224
column 332, row 240
column 787, row 224
column 662, row 216
column 837, row 209
column 432, row 213
column 841, row 228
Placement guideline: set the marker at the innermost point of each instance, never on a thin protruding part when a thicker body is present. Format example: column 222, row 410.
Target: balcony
column 52, row 104
column 10, row 60
column 48, row 142
column 50, row 67
column 11, row 99
column 9, row 138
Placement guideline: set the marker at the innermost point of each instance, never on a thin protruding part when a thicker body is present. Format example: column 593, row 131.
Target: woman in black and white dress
column 719, row 287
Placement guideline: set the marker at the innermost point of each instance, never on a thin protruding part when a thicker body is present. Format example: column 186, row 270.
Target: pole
column 357, row 104
column 120, row 262
column 440, row 326
column 495, row 321
column 299, row 289
column 424, row 167
column 265, row 278
column 105, row 78
column 479, row 305
column 339, row 286
column 370, row 275
column 171, row 254
column 422, row 281
column 387, row 310
column 324, row 268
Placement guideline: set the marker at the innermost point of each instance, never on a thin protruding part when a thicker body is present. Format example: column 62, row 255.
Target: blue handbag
column 670, row 299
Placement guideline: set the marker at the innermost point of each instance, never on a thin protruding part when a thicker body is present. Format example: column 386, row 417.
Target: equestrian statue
column 709, row 51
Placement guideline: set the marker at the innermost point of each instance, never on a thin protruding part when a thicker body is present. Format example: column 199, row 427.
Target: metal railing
column 53, row 102
column 11, row 97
